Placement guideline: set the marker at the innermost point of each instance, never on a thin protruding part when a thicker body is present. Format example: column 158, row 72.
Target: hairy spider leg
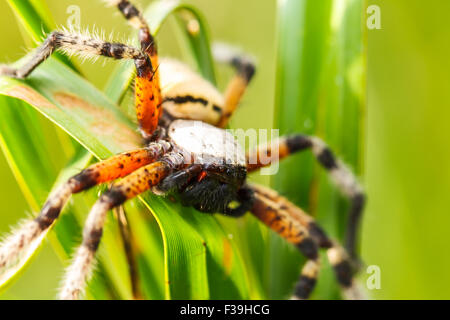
column 278, row 207
column 180, row 178
column 245, row 69
column 13, row 247
column 148, row 97
column 342, row 177
column 129, row 187
column 280, row 221
column 147, row 86
column 137, row 21
column 73, row 44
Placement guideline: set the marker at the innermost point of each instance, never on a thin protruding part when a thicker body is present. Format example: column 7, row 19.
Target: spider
column 188, row 154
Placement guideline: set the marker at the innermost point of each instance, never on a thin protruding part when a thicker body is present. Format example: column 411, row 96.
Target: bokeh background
column 407, row 171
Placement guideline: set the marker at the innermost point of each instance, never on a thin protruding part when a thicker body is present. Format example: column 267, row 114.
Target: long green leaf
column 26, row 173
column 320, row 91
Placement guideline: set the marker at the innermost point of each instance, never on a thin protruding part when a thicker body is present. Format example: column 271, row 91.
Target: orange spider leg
column 129, row 187
column 147, row 86
column 245, row 69
column 101, row 172
column 148, row 97
column 342, row 177
column 297, row 227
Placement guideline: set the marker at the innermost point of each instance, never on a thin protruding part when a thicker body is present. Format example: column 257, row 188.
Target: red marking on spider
column 202, row 175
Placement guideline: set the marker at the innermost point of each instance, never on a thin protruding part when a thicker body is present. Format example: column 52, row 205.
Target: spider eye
column 233, row 204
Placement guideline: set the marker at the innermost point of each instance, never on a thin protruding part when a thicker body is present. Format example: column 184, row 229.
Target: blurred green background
column 407, row 175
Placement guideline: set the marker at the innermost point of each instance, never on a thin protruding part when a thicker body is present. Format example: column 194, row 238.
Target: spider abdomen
column 187, row 95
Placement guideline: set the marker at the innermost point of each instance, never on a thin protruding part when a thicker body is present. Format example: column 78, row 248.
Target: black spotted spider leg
column 285, row 218
column 343, row 178
column 180, row 178
column 281, row 221
column 129, row 187
column 245, row 69
column 147, row 88
column 22, row 239
column 137, row 21
column 73, row 44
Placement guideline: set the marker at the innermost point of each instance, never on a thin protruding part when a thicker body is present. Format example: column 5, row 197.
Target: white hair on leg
column 88, row 44
column 354, row 292
column 341, row 176
column 339, row 260
column 16, row 248
column 79, row 272
column 23, row 240
column 344, row 179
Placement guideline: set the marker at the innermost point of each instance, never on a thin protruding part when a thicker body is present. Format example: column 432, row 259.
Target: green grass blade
column 28, row 16
column 198, row 41
column 320, row 92
column 30, row 173
column 149, row 249
column 303, row 28
column 342, row 118
column 208, row 247
column 120, row 81
column 76, row 106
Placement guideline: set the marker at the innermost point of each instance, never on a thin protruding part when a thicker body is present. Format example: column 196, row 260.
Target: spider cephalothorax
column 189, row 156
column 217, row 172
